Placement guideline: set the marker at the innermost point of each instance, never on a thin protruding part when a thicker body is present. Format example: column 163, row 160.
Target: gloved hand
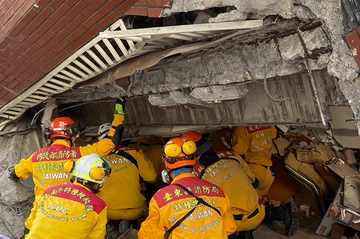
column 255, row 184
column 116, row 139
column 12, row 174
column 120, row 106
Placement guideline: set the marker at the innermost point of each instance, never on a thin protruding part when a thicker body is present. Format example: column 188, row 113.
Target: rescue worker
column 72, row 210
column 47, row 164
column 222, row 139
column 122, row 191
column 230, row 172
column 189, row 207
column 255, row 142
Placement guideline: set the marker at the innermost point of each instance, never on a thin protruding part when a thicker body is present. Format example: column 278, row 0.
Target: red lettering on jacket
column 254, row 129
column 55, row 153
column 198, row 187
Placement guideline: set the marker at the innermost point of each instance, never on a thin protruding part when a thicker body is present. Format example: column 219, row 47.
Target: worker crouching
column 189, row 207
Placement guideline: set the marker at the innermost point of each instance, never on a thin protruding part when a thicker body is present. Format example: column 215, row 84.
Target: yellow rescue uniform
column 171, row 203
column 152, row 147
column 122, row 190
column 254, row 142
column 47, row 164
column 233, row 176
column 67, row 211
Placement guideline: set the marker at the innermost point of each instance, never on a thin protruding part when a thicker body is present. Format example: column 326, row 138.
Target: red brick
column 29, row 4
column 61, row 46
column 91, row 33
column 19, row 52
column 31, row 40
column 44, row 14
column 29, row 17
column 5, row 18
column 70, row 2
column 153, row 3
column 43, row 28
column 2, row 11
column 76, row 22
column 7, row 5
column 25, row 84
column 48, row 57
column 166, row 2
column 61, row 56
column 159, row 3
column 41, row 4
column 61, row 36
column 20, row 70
column 13, row 84
column 10, row 69
column 46, row 38
column 75, row 45
column 143, row 3
column 60, row 12
column 92, row 20
column 109, row 6
column 24, row 75
column 154, row 12
column 110, row 19
column 32, row 50
column 60, row 24
column 8, row 97
column 56, row 3
column 6, row 52
column 92, row 8
column 126, row 5
column 18, row 40
column 75, row 10
column 16, row 30
column 76, row 34
column 30, row 28
column 137, row 11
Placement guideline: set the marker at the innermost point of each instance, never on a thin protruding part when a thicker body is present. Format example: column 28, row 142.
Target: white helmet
column 103, row 130
column 91, row 168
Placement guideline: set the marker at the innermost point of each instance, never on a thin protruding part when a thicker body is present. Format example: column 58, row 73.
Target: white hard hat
column 103, row 130
column 91, row 168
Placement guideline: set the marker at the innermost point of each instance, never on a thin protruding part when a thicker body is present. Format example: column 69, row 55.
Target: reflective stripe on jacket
column 68, row 211
column 122, row 189
column 254, row 142
column 171, row 203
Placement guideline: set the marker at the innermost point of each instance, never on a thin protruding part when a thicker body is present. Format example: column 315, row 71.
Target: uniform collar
column 61, row 142
column 181, row 176
column 80, row 185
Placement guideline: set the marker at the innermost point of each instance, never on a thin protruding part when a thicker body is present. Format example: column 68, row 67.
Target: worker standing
column 47, row 164
column 122, row 191
column 72, row 210
column 189, row 207
column 230, row 172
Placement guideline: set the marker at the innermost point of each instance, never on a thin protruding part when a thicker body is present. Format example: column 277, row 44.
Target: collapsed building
column 190, row 65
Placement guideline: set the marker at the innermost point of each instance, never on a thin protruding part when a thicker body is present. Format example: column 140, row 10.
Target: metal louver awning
column 113, row 46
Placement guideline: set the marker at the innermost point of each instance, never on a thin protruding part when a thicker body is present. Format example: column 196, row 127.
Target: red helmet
column 202, row 144
column 63, row 127
column 179, row 153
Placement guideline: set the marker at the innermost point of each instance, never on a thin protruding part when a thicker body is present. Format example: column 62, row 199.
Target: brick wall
column 36, row 38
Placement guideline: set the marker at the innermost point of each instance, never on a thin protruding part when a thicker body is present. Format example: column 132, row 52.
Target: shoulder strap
column 125, row 155
column 199, row 201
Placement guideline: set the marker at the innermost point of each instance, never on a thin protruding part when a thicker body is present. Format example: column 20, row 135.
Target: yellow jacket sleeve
column 273, row 132
column 146, row 167
column 247, row 170
column 24, row 168
column 29, row 221
column 240, row 143
column 229, row 222
column 99, row 229
column 152, row 227
column 104, row 146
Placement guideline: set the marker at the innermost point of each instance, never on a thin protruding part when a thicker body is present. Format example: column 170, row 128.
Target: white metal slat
column 58, row 82
column 112, row 49
column 104, row 54
column 96, row 58
column 122, row 47
column 52, row 86
column 77, row 71
column 69, row 74
column 61, row 76
column 48, row 90
column 123, row 28
column 90, row 63
column 83, row 67
column 37, row 97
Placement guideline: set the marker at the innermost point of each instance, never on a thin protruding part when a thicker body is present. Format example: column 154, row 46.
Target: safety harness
column 199, row 201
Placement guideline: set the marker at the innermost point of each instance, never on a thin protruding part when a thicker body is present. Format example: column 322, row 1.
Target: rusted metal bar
column 308, row 68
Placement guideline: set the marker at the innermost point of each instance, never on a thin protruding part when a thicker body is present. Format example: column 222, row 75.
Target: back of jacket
column 122, row 189
column 234, row 179
column 47, row 166
column 172, row 203
column 67, row 211
column 255, row 143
